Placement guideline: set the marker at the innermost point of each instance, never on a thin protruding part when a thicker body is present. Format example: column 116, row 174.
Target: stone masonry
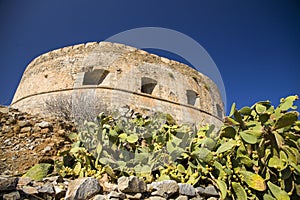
column 114, row 75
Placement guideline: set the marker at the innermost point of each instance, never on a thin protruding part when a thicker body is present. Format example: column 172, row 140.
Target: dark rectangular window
column 148, row 85
column 94, row 77
column 191, row 97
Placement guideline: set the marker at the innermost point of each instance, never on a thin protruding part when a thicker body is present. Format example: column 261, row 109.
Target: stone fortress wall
column 118, row 75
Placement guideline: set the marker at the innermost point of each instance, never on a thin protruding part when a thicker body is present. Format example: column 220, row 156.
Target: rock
column 7, row 142
column 54, row 179
column 187, row 189
column 99, row 197
column 208, row 191
column 8, row 183
column 46, row 149
column 29, row 190
column 164, row 188
column 17, row 129
column 156, row 198
column 23, row 181
column 23, row 123
column 114, row 194
column 61, row 132
column 211, row 190
column 83, row 188
column 108, row 187
column 197, row 198
column 7, row 172
column 59, row 190
column 31, row 147
column 182, row 197
column 4, row 110
column 131, row 184
column 134, row 196
column 16, row 148
column 25, row 129
column 20, row 151
column 199, row 190
column 45, row 130
column 212, row 198
column 38, row 171
column 6, row 129
column 11, row 121
column 22, row 135
column 36, row 129
column 47, row 188
column 12, row 196
column 44, row 124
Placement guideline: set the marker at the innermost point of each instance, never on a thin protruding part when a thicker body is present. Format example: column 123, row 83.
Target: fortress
column 114, row 75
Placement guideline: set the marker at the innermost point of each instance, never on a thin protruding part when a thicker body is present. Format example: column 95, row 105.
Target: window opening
column 94, row 77
column 192, row 97
column 148, row 85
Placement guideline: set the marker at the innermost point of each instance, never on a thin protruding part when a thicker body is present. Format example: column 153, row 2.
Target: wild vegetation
column 255, row 155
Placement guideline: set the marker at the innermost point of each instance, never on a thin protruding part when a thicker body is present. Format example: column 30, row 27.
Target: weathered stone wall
column 119, row 75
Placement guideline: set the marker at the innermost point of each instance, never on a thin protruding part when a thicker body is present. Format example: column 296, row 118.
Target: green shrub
column 258, row 152
column 254, row 156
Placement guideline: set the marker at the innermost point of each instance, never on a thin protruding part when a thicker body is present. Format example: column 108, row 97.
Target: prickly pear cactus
column 254, row 156
column 258, row 154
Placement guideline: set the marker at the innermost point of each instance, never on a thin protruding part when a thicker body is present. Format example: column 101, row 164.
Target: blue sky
column 255, row 44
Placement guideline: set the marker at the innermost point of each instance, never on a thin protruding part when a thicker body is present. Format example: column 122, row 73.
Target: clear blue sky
column 255, row 44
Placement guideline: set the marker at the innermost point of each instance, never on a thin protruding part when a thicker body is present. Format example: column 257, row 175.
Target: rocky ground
column 26, row 140
column 13, row 188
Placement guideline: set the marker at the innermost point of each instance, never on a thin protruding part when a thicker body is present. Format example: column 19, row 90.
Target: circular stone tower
column 110, row 76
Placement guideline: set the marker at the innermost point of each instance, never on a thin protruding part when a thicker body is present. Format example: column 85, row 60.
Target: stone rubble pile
column 56, row 187
column 29, row 139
